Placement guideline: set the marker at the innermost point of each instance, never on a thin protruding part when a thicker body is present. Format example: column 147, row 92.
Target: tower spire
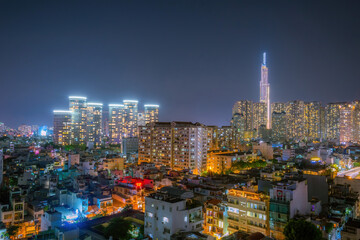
column 264, row 58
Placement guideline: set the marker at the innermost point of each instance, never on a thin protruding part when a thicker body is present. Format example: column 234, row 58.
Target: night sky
column 194, row 58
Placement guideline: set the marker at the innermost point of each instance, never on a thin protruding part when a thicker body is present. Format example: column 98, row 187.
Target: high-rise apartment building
column 141, row 119
column 242, row 120
column 130, row 128
column 78, row 106
column 295, row 113
column 279, row 126
column 116, row 122
column 62, row 126
column 346, row 124
column 151, row 113
column 332, row 120
column 94, row 123
column 227, row 137
column 279, row 107
column 312, row 112
column 265, row 90
column 179, row 145
column 259, row 116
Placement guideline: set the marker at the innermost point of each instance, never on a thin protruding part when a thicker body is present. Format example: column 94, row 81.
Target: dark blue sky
column 194, row 58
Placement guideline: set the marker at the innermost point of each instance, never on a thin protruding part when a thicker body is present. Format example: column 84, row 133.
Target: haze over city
column 194, row 58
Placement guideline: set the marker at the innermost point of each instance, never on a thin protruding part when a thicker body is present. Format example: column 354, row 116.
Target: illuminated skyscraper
column 259, row 116
column 94, row 123
column 278, row 107
column 346, row 124
column 78, row 105
column 312, row 113
column 141, row 119
column 265, row 90
column 295, row 116
column 279, row 126
column 242, row 120
column 62, row 127
column 116, row 122
column 332, row 120
column 151, row 113
column 130, row 128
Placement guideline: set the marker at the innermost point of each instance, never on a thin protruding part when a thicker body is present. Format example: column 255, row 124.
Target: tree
column 119, row 228
column 12, row 231
column 301, row 230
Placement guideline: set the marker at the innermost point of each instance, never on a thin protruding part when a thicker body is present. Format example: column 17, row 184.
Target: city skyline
column 97, row 52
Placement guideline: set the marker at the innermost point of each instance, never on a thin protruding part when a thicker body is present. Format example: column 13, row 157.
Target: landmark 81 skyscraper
column 265, row 91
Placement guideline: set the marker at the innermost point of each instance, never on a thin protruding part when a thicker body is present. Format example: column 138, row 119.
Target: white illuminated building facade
column 171, row 210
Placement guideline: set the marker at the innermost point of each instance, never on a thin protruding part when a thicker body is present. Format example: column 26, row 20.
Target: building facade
column 179, row 145
column 62, row 127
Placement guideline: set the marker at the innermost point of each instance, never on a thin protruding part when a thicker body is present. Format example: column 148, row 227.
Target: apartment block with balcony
column 215, row 221
column 248, row 211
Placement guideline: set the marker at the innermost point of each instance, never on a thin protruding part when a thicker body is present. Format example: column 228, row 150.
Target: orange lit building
column 214, row 220
column 248, row 211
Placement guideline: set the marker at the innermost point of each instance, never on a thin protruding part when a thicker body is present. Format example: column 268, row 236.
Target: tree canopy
column 301, row 230
column 119, row 228
column 239, row 165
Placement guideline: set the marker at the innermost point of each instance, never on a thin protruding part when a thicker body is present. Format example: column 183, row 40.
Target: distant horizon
column 227, row 124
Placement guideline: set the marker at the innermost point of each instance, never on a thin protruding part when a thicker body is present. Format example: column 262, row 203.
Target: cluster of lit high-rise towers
column 295, row 120
column 83, row 122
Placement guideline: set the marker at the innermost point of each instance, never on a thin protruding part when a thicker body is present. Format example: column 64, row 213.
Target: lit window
column 185, row 218
column 150, row 214
column 221, row 224
column 165, row 220
column 233, row 210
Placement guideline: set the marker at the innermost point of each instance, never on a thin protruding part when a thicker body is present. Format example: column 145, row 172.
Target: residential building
column 94, row 123
column 248, row 211
column 78, row 106
column 312, row 114
column 215, row 220
column 179, row 145
column 279, row 126
column 287, row 199
column 259, row 116
column 62, row 127
column 242, row 120
column 116, row 122
column 332, row 121
column 130, row 127
column 171, row 210
column 295, row 120
column 346, row 124
column 151, row 113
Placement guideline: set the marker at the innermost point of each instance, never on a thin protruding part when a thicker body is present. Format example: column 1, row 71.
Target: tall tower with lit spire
column 265, row 90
